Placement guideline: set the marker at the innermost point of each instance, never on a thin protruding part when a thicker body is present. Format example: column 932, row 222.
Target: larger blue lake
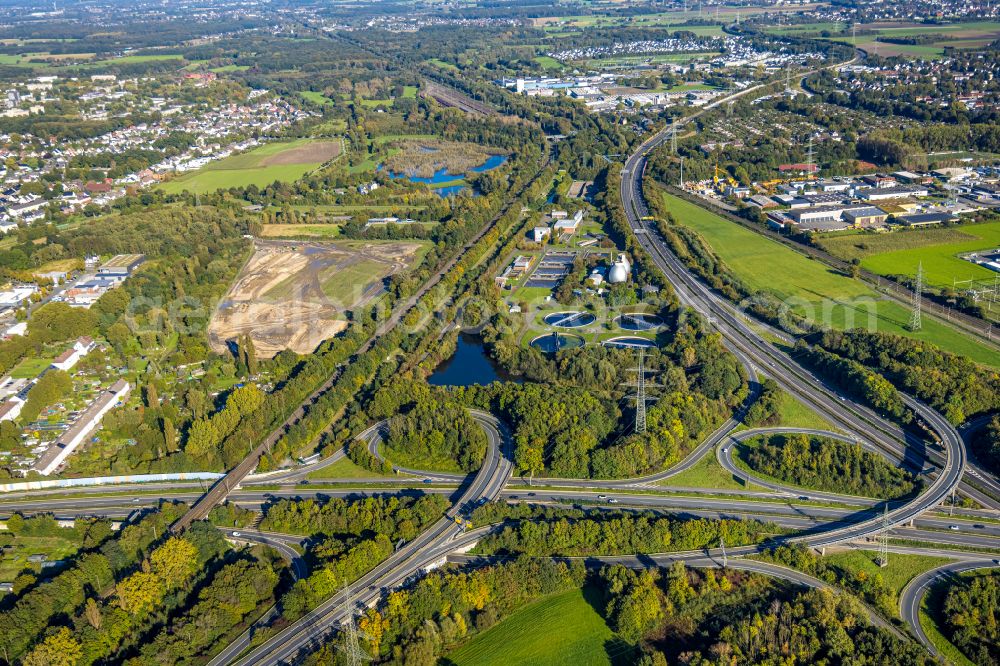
column 468, row 365
column 443, row 176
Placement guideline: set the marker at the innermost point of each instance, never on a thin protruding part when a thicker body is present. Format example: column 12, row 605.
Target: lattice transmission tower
column 351, row 644
column 918, row 287
column 883, row 540
column 640, row 394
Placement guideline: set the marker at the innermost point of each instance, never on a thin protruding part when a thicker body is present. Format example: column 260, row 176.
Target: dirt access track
column 293, row 295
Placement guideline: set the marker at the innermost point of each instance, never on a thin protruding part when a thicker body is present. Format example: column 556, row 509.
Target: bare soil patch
column 293, row 295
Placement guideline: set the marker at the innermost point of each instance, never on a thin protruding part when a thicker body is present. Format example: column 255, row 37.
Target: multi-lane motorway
column 427, row 548
column 785, row 370
column 819, row 519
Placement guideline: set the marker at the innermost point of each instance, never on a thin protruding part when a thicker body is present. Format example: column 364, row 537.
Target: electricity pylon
column 883, row 540
column 640, row 395
column 351, row 645
column 918, row 287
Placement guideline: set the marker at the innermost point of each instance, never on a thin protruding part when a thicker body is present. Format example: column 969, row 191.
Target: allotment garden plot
column 293, row 295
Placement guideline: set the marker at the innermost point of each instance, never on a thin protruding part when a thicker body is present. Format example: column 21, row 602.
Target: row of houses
column 212, row 128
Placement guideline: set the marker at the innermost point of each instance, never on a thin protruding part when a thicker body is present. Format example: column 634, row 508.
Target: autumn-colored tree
column 139, row 593
column 92, row 611
column 59, row 649
column 175, row 562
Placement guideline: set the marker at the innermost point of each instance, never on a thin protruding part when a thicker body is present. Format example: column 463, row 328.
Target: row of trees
column 429, row 431
column 399, row 516
column 235, row 593
column 350, row 537
column 986, row 443
column 172, row 603
column 951, row 383
column 827, row 464
column 419, row 625
column 871, row 588
column 707, row 618
column 614, row 533
column 857, row 379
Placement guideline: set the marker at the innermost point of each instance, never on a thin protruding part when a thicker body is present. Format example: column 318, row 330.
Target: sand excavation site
column 293, row 295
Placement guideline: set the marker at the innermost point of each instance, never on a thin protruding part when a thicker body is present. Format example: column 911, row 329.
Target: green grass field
column 323, row 231
column 12, row 60
column 375, row 103
column 437, row 62
column 548, row 62
column 249, row 168
column 128, row 60
column 316, row 97
column 794, row 414
column 706, row 473
column 440, row 463
column 963, row 35
column 673, row 20
column 346, row 469
column 941, row 261
column 812, row 289
column 560, row 630
column 15, row 560
column 901, row 570
column 342, row 285
column 30, row 368
column 951, row 653
column 230, row 68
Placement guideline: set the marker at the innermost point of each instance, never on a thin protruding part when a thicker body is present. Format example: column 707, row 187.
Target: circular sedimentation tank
column 569, row 319
column 551, row 342
column 629, row 342
column 638, row 321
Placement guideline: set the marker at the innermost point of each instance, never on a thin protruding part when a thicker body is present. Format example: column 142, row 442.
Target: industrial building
column 121, row 266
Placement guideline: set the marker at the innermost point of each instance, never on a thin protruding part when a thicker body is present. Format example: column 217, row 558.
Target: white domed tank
column 619, row 271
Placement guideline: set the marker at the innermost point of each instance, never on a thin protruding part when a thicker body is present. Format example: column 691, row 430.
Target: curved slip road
column 724, row 454
column 913, row 595
column 280, row 542
column 428, row 547
column 699, row 561
column 786, row 371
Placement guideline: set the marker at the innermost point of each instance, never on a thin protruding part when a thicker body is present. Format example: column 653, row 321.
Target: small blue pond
column 469, row 365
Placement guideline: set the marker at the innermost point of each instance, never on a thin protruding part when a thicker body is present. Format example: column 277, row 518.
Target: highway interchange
column 816, row 519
